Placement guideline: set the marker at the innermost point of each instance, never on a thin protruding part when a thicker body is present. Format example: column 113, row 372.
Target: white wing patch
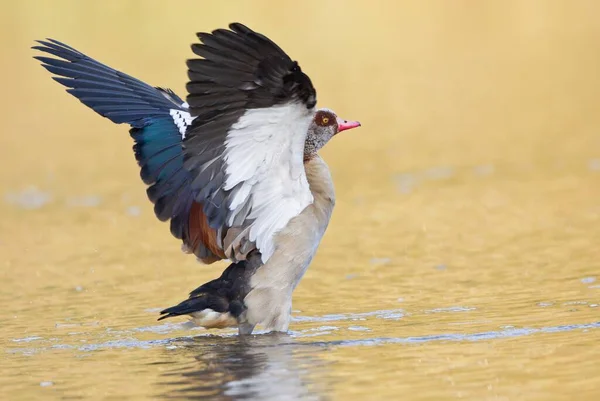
column 264, row 150
column 182, row 120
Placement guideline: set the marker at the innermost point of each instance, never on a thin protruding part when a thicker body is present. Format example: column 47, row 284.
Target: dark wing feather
column 240, row 70
column 158, row 141
column 111, row 93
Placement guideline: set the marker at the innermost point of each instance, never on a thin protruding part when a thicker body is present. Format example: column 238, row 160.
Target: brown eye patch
column 324, row 118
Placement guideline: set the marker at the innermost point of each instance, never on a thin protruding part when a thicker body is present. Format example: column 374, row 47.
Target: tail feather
column 197, row 304
column 224, row 295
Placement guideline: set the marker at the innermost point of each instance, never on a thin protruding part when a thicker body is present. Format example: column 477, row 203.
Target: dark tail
column 224, row 294
column 196, row 304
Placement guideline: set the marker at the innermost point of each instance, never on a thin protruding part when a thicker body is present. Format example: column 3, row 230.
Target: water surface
column 462, row 258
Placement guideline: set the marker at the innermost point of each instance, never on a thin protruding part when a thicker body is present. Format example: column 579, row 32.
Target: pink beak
column 343, row 125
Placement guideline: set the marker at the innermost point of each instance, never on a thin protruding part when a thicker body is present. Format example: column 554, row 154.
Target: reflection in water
column 263, row 367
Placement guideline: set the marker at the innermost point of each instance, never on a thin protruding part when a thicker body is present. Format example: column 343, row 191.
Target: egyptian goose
column 234, row 168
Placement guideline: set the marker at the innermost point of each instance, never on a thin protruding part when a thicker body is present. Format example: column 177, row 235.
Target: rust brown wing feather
column 202, row 234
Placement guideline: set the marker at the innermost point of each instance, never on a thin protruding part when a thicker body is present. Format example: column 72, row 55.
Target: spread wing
column 252, row 106
column 227, row 169
column 159, row 120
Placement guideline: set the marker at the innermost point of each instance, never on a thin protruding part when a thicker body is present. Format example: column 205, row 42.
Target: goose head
column 324, row 126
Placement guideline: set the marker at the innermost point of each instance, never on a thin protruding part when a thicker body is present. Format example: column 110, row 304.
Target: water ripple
column 488, row 335
column 391, row 314
column 509, row 332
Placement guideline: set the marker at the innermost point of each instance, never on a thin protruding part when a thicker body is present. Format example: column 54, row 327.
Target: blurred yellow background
column 474, row 181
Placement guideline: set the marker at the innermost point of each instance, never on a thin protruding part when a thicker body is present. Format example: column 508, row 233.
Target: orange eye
column 325, row 120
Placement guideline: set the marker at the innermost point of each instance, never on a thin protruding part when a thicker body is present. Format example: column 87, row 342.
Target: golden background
column 469, row 199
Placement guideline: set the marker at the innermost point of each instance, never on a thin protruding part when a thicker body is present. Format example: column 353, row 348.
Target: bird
column 234, row 168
